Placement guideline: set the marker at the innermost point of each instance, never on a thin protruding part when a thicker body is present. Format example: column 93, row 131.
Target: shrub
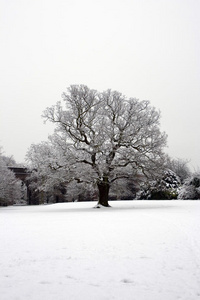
column 165, row 188
column 191, row 188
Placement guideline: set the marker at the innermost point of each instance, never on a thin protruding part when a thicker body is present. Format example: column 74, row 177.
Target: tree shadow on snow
column 116, row 206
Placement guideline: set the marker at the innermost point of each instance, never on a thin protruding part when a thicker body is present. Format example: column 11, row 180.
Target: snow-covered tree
column 191, row 188
column 9, row 161
column 46, row 175
column 80, row 191
column 179, row 167
column 104, row 137
column 10, row 187
column 165, row 187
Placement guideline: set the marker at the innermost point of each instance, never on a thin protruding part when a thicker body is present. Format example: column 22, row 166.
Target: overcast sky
column 148, row 49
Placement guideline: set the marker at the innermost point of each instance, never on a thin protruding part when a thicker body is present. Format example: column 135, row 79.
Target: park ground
column 137, row 250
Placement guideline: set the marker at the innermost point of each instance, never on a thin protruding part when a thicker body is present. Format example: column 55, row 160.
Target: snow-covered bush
column 191, row 188
column 165, row 188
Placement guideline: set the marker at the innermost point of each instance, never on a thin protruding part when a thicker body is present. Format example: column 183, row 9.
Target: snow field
column 142, row 250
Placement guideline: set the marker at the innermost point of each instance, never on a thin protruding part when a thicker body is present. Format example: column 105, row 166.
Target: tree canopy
column 101, row 137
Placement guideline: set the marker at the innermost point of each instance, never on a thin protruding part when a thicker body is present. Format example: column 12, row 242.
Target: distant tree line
column 105, row 146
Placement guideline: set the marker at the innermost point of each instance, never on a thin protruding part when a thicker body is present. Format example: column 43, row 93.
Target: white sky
column 147, row 49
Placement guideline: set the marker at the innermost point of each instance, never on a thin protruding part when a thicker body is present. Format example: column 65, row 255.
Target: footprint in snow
column 45, row 282
column 125, row 280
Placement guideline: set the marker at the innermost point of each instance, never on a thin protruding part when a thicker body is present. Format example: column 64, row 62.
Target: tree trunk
column 103, row 188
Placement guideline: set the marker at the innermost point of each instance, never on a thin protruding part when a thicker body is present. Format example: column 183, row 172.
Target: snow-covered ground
column 138, row 250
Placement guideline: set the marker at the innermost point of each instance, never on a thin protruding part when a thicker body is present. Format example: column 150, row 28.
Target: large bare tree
column 110, row 136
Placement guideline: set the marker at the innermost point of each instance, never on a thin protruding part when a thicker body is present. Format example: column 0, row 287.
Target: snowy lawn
column 138, row 250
